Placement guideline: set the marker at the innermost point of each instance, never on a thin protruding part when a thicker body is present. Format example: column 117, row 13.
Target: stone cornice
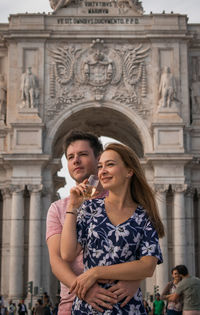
column 16, row 159
column 169, row 157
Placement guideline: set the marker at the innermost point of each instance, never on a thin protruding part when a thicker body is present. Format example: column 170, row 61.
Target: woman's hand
column 76, row 197
column 84, row 282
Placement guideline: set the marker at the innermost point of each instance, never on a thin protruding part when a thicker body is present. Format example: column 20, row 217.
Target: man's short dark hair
column 76, row 134
column 182, row 270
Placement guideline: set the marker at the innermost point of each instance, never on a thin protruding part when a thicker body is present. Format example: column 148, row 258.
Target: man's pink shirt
column 54, row 225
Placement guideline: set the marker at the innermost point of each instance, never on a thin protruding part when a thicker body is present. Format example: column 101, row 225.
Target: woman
column 173, row 308
column 118, row 233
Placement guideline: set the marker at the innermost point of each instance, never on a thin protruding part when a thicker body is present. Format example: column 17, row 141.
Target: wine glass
column 91, row 186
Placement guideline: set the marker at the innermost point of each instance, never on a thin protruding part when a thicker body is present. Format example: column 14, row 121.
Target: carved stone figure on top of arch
column 126, row 5
column 59, row 4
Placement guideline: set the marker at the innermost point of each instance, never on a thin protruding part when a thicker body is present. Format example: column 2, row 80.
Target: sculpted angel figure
column 58, row 4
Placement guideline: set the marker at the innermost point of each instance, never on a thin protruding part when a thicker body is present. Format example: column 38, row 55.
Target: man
column 158, row 305
column 189, row 288
column 22, row 309
column 173, row 308
column 82, row 151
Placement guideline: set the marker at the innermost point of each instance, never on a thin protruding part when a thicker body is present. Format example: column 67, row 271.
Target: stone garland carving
column 97, row 73
column 3, row 92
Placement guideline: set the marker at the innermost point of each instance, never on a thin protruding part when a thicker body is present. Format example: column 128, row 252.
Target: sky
column 191, row 8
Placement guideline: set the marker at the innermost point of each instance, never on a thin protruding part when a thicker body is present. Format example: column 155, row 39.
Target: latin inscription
column 96, row 20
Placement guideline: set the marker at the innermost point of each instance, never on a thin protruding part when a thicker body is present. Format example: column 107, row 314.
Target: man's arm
column 97, row 297
column 173, row 297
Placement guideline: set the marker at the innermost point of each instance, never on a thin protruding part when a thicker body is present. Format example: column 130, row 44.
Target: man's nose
column 76, row 159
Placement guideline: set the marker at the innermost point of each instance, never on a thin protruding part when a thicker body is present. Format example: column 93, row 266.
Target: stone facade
column 106, row 67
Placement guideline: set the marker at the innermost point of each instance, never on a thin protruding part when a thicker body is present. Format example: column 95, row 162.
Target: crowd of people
column 42, row 306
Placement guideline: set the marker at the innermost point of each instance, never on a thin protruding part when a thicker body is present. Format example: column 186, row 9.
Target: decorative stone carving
column 29, row 89
column 3, row 92
column 195, row 96
column 58, row 4
column 35, row 188
column 161, row 188
column 97, row 73
column 167, row 89
column 17, row 188
column 179, row 188
column 123, row 5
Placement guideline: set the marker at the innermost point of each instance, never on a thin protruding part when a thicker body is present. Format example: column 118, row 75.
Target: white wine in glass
column 91, row 186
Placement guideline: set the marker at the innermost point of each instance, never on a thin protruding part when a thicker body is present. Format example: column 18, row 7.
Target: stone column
column 34, row 250
column 179, row 225
column 17, row 243
column 162, row 270
column 46, row 269
column 5, row 257
column 190, row 227
column 197, row 235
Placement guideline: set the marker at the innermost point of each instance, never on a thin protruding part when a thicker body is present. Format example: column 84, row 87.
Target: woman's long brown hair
column 141, row 192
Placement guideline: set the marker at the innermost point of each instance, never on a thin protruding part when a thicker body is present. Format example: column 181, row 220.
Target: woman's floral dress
column 106, row 244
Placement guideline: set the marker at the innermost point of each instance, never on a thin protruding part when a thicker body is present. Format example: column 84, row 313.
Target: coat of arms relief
column 97, row 73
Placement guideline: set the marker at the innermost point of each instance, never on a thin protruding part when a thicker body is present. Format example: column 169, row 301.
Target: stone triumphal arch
column 106, row 67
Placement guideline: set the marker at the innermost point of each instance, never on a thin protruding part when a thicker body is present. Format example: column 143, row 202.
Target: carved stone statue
column 29, row 89
column 58, row 4
column 3, row 90
column 167, row 88
column 195, row 91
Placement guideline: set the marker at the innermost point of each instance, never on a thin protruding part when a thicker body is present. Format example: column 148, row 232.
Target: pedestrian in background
column 189, row 288
column 173, row 307
column 158, row 305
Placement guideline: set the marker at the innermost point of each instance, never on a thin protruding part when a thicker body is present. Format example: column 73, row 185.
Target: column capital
column 35, row 188
column 190, row 191
column 179, row 188
column 17, row 188
column 198, row 191
column 161, row 188
column 6, row 192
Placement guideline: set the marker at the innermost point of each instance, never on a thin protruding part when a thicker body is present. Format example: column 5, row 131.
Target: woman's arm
column 134, row 270
column 69, row 247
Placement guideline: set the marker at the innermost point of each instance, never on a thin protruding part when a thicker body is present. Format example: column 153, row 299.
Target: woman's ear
column 130, row 173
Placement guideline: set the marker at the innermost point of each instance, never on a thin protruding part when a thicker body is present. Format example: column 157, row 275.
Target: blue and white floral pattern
column 106, row 244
